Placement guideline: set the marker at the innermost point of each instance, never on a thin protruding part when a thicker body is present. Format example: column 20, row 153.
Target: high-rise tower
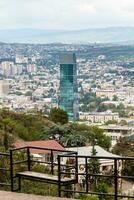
column 68, row 100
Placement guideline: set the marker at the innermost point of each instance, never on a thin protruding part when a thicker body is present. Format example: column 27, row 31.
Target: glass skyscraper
column 68, row 100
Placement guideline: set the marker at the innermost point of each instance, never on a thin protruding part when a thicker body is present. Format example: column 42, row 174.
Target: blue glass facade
column 68, row 100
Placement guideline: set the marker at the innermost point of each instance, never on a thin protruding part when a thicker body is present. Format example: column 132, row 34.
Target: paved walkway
column 20, row 196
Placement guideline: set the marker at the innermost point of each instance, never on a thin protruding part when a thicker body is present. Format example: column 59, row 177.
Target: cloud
column 85, row 8
column 128, row 6
column 65, row 14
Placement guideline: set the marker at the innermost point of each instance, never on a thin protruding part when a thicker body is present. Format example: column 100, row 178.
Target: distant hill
column 99, row 35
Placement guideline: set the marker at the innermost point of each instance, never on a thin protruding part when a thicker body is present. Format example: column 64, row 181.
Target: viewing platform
column 15, row 196
column 63, row 169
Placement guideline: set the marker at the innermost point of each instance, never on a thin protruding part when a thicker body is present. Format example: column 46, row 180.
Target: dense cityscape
column 67, row 100
column 30, row 79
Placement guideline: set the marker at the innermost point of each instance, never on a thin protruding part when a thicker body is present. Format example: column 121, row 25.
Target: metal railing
column 116, row 175
column 5, row 168
column 29, row 160
column 66, row 164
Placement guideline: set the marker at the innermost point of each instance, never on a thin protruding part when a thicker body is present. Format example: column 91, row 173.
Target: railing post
column 76, row 166
column 11, row 170
column 86, row 170
column 59, row 177
column 28, row 158
column 115, row 179
column 52, row 162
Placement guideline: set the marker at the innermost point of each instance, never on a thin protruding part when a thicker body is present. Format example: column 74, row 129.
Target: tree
column 92, row 106
column 58, row 115
column 111, row 122
column 6, row 135
column 125, row 147
column 81, row 135
column 74, row 139
column 28, row 93
column 120, row 106
column 21, row 125
column 115, row 98
column 97, row 134
column 103, row 188
column 93, row 168
column 102, row 108
column 56, row 132
column 123, row 122
column 18, row 93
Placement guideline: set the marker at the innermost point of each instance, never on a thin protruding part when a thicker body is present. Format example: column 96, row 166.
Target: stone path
column 20, row 196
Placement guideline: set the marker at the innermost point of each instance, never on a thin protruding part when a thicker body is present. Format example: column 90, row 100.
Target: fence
column 28, row 159
column 67, row 164
column 5, row 169
column 116, row 175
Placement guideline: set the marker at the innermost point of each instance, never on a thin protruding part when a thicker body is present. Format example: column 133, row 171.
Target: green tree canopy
column 58, row 115
column 125, row 147
column 115, row 98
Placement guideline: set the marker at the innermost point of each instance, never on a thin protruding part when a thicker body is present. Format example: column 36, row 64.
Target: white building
column 98, row 117
column 31, row 68
column 4, row 87
column 106, row 164
column 110, row 93
column 116, row 131
column 21, row 59
column 6, row 67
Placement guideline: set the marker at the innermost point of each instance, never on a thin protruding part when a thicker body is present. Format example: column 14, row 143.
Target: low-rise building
column 40, row 154
column 98, row 117
column 106, row 93
column 116, row 131
column 106, row 164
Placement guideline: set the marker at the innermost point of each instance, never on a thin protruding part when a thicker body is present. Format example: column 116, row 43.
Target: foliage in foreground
column 87, row 197
column 125, row 147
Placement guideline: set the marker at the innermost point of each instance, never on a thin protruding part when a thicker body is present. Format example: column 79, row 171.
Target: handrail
column 41, row 148
column 70, row 168
column 5, row 169
column 4, row 154
column 99, row 157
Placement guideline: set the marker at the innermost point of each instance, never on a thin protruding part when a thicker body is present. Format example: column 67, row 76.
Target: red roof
column 50, row 144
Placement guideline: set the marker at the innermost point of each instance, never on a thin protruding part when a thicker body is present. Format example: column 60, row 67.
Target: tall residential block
column 4, row 87
column 68, row 100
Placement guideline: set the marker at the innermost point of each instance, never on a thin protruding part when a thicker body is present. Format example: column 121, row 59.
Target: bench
column 53, row 179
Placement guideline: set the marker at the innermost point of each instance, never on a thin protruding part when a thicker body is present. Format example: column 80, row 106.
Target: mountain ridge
column 89, row 35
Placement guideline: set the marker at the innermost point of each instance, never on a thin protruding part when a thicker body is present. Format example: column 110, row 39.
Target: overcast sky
column 65, row 14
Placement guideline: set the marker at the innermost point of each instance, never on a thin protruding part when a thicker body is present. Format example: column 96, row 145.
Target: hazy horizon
column 91, row 35
column 70, row 20
column 67, row 29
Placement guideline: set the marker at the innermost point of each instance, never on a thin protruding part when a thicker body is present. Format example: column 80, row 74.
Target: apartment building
column 98, row 117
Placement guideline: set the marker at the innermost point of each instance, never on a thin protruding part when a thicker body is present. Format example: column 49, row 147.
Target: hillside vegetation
column 31, row 127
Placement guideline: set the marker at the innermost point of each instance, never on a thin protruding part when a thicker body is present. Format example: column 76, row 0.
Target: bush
column 87, row 197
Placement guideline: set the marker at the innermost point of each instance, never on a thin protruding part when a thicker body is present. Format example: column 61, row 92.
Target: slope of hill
column 23, row 126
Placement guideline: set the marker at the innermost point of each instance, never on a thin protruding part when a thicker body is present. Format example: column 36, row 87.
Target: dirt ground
column 20, row 196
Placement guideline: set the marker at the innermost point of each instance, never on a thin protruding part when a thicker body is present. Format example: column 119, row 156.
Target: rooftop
column 116, row 127
column 87, row 151
column 50, row 144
